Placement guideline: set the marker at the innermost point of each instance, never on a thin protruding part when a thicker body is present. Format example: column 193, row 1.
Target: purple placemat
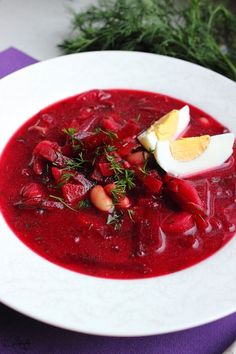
column 21, row 334
column 12, row 59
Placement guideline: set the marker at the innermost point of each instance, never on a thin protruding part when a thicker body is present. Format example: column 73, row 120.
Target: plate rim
column 63, row 273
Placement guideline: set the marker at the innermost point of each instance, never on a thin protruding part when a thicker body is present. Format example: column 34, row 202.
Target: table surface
column 36, row 27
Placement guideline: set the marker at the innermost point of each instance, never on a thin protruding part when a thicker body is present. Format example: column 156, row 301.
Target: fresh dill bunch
column 200, row 31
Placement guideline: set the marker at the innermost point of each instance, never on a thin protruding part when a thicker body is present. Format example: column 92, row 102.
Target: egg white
column 217, row 152
column 149, row 139
column 183, row 121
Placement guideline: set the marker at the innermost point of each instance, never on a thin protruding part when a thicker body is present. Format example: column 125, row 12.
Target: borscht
column 120, row 184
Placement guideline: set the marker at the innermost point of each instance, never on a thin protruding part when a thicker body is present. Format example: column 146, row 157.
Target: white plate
column 44, row 291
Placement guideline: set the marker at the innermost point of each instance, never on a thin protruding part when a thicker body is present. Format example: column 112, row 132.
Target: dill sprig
column 115, row 220
column 124, row 178
column 65, row 178
column 70, row 131
column 84, row 204
column 76, row 163
column 76, row 143
column 61, row 200
column 201, row 31
column 115, row 165
column 112, row 135
column 131, row 213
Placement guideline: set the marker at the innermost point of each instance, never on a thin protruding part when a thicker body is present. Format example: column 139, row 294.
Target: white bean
column 100, row 199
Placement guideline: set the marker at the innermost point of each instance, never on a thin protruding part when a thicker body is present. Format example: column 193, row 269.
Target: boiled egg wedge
column 169, row 127
column 189, row 156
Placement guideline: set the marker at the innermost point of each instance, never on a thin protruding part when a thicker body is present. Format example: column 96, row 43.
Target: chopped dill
column 144, row 169
column 98, row 151
column 76, row 163
column 128, row 178
column 124, row 178
column 115, row 220
column 119, row 191
column 110, row 148
column 131, row 213
column 115, row 165
column 112, row 135
column 76, row 143
column 66, row 177
column 69, row 131
column 84, row 204
column 59, row 199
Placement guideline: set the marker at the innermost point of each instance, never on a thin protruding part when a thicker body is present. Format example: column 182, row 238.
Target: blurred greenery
column 200, row 31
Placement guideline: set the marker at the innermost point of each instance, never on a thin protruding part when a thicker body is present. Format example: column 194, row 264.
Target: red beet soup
column 78, row 188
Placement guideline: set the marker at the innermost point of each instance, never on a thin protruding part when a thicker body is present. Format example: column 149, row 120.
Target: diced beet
column 105, row 168
column 96, row 174
column 109, row 188
column 38, row 165
column 42, row 125
column 109, row 123
column 73, row 193
column 57, row 174
column 126, row 146
column 137, row 158
column 94, row 140
column 151, row 180
column 62, row 160
column 155, row 174
column 130, row 129
column 51, row 205
column 178, row 222
column 47, row 149
column 41, row 130
column 32, row 195
column 153, row 184
column 33, row 191
column 88, row 125
column 185, row 195
column 79, row 178
column 123, row 203
column 67, row 149
column 80, row 135
column 126, row 164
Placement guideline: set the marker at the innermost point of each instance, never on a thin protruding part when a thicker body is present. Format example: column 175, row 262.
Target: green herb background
column 200, row 31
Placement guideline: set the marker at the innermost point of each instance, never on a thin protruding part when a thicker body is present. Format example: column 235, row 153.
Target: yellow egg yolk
column 166, row 127
column 188, row 149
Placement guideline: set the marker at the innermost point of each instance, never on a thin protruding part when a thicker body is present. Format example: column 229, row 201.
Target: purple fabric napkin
column 20, row 334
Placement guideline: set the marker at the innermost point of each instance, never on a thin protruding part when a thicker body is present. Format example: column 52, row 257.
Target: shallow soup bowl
column 33, row 286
